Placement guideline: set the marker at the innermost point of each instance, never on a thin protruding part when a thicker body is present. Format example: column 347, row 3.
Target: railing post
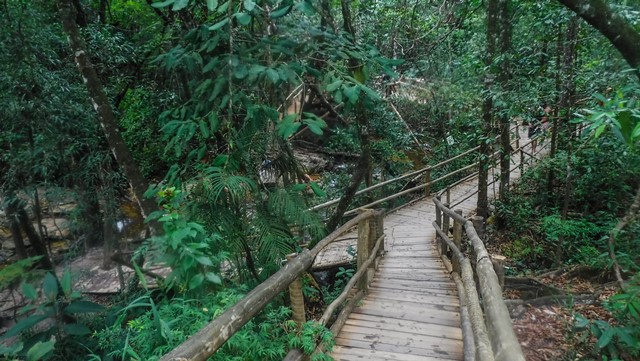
column 448, row 197
column 457, row 240
column 296, row 298
column 441, row 244
column 376, row 229
column 521, row 162
column 478, row 225
column 498, row 267
column 445, row 226
column 364, row 249
column 427, row 181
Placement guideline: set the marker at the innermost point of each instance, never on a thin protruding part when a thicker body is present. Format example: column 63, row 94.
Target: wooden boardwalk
column 411, row 312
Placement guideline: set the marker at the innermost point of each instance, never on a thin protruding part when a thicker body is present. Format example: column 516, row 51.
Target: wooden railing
column 425, row 185
column 488, row 334
column 370, row 245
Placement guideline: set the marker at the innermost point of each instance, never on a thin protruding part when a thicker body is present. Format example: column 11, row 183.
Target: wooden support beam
column 296, row 298
column 457, row 240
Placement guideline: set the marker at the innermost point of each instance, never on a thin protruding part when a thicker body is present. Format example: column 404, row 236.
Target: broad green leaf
column 205, row 261
column 605, row 338
column 29, row 291
column 213, row 278
column 249, row 5
column 280, row 12
column 25, row 324
column 334, row 86
column 179, row 5
column 65, row 282
column 76, row 329
column 162, row 3
column 83, row 307
column 370, row 92
column 50, row 286
column 243, row 18
column 273, row 75
column 219, row 24
column 40, row 350
column 306, row 7
column 196, row 281
column 352, row 93
column 212, row 4
column 317, row 190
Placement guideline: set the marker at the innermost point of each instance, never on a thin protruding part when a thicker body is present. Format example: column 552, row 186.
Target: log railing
column 370, row 245
column 487, row 330
column 425, row 185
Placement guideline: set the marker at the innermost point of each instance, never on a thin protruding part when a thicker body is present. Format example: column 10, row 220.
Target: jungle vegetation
column 198, row 112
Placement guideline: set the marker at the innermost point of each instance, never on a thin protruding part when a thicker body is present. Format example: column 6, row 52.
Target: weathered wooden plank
column 346, row 353
column 400, row 338
column 419, row 275
column 419, row 328
column 402, row 295
column 417, row 284
column 438, row 311
column 421, row 315
column 405, row 350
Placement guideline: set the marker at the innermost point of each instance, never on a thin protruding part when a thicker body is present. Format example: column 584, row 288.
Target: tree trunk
column 504, row 76
column 105, row 112
column 487, row 111
column 32, row 235
column 362, row 168
column 91, row 219
column 14, row 225
column 612, row 25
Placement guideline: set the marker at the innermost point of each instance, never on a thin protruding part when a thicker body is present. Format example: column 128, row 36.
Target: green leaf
column 219, row 24
column 317, row 190
column 278, row 13
column 352, row 93
column 273, row 75
column 29, row 291
column 334, row 86
column 249, row 5
column 65, row 282
column 213, row 278
column 25, row 324
column 83, row 307
column 370, row 92
column 205, row 261
column 162, row 3
column 50, row 286
column 196, row 281
column 40, row 350
column 212, row 4
column 179, row 5
column 243, row 18
column 605, row 338
column 76, row 329
column 306, row 7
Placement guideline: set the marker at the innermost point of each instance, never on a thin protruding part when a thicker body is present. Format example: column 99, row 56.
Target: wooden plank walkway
column 412, row 310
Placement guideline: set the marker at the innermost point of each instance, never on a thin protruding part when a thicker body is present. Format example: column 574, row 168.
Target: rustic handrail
column 504, row 345
column 209, row 339
column 402, row 177
column 357, row 277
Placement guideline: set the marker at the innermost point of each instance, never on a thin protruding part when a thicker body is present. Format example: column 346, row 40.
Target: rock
column 55, row 228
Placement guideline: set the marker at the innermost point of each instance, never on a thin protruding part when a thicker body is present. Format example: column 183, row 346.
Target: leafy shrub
column 621, row 337
column 56, row 318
